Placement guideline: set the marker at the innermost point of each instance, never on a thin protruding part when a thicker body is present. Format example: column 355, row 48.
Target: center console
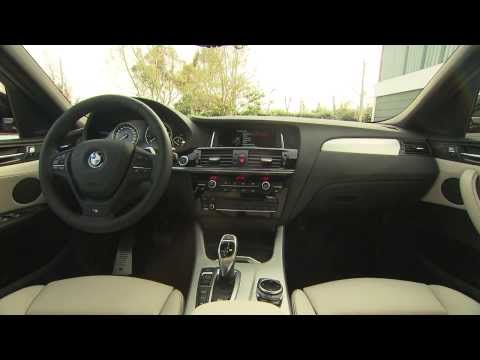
column 238, row 279
column 243, row 171
column 241, row 182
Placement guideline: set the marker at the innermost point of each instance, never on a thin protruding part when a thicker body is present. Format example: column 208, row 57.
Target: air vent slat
column 225, row 158
column 259, row 158
column 415, row 148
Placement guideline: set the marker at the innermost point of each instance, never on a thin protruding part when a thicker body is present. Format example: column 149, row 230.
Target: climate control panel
column 262, row 194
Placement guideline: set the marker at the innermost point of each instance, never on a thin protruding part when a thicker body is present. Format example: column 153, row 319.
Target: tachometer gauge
column 151, row 140
column 126, row 132
column 178, row 141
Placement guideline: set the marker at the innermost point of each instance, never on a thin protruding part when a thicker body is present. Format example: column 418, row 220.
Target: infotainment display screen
column 248, row 138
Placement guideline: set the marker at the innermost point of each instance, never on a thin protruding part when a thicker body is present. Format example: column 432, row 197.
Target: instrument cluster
column 138, row 133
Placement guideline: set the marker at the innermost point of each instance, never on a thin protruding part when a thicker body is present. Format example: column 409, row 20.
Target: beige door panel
column 447, row 169
column 468, row 189
column 10, row 175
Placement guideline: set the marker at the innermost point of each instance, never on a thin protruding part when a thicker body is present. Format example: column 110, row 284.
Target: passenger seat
column 376, row 296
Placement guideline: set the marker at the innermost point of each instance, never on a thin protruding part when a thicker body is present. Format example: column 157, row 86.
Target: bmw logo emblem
column 95, row 160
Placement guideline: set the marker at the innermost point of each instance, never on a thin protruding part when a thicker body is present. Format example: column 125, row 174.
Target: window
column 8, row 130
column 404, row 71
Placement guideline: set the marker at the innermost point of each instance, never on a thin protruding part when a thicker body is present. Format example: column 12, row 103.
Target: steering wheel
column 103, row 173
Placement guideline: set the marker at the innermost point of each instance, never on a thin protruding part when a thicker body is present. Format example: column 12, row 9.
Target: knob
column 266, row 185
column 212, row 184
column 270, row 290
column 183, row 160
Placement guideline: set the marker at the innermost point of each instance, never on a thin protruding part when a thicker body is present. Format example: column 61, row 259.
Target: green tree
column 253, row 102
column 216, row 83
column 345, row 112
column 322, row 112
column 153, row 70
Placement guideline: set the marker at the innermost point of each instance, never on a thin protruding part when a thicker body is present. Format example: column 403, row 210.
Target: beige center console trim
column 237, row 308
column 10, row 175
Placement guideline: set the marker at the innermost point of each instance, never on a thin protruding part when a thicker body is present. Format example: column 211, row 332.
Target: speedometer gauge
column 126, row 132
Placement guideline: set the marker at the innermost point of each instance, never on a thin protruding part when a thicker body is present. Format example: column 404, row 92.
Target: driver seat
column 95, row 295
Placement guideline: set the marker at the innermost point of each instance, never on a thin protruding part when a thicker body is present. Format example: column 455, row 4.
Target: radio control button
column 212, row 184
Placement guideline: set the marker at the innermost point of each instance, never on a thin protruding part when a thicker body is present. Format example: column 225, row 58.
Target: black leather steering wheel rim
column 160, row 171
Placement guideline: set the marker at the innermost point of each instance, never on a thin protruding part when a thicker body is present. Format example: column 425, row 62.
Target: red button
column 242, row 159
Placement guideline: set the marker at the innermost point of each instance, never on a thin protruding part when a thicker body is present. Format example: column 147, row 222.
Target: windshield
column 353, row 83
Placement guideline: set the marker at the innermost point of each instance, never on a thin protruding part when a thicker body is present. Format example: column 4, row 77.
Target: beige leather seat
column 95, row 295
column 374, row 296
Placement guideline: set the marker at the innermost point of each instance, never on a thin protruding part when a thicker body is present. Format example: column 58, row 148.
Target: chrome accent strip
column 268, row 292
column 211, row 140
column 371, row 146
column 234, row 170
column 248, row 259
column 141, row 167
column 254, row 211
column 281, row 140
column 8, row 156
column 151, row 150
column 243, row 148
column 470, row 155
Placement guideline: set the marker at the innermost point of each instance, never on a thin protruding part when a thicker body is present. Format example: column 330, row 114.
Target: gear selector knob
column 227, row 252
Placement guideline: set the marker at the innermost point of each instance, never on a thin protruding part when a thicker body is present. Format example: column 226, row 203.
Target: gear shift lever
column 227, row 252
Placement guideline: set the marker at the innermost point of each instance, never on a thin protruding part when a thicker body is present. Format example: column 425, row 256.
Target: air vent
column 415, row 148
column 265, row 158
column 216, row 158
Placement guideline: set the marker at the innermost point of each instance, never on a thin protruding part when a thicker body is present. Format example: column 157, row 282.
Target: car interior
column 122, row 205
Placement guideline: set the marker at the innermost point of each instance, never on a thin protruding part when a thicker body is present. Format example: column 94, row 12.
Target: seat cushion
column 369, row 296
column 95, row 295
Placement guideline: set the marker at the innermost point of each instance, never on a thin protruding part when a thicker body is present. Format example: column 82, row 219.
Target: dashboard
column 279, row 167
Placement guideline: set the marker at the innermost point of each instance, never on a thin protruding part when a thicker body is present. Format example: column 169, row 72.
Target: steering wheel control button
column 58, row 163
column 96, row 211
column 142, row 166
column 270, row 290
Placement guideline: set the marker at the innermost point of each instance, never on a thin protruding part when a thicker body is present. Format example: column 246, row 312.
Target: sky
column 312, row 74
